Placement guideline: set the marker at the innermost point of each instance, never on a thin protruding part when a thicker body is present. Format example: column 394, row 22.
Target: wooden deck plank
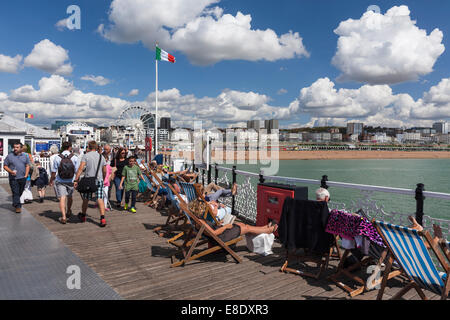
column 135, row 261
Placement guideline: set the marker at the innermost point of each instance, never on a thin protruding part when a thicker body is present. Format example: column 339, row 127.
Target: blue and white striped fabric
column 149, row 184
column 172, row 198
column 410, row 252
column 189, row 191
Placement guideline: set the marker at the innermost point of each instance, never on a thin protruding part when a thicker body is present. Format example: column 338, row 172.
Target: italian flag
column 164, row 56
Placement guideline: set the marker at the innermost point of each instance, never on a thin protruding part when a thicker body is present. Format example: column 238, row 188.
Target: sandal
column 275, row 228
column 63, row 221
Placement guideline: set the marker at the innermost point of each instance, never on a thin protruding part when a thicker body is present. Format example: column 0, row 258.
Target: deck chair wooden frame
column 360, row 285
column 419, row 237
column 201, row 197
column 175, row 216
column 153, row 188
column 195, row 238
column 321, row 261
column 445, row 245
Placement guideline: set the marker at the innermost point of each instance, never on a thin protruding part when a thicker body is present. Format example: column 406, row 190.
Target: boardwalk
column 134, row 261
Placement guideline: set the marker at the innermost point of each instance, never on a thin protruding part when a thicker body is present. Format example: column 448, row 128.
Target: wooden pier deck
column 135, row 262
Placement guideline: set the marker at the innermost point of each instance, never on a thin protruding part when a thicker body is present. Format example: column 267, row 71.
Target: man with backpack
column 63, row 170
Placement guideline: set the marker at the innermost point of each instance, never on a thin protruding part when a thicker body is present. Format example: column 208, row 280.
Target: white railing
column 246, row 198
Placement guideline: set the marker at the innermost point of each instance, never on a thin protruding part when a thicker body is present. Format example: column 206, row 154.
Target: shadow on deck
column 135, row 261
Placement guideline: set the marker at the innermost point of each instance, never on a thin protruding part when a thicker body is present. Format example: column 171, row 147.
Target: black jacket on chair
column 302, row 225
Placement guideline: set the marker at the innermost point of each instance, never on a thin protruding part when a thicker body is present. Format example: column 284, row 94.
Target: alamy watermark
column 230, row 146
column 74, row 280
column 74, row 20
column 374, row 23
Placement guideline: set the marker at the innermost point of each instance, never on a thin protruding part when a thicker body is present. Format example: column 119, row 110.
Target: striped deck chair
column 445, row 245
column 174, row 215
column 152, row 187
column 196, row 236
column 188, row 190
column 408, row 248
column 375, row 253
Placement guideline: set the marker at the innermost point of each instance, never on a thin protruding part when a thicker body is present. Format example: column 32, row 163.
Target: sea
column 402, row 173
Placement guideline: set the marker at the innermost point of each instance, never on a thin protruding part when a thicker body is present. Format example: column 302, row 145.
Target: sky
column 304, row 62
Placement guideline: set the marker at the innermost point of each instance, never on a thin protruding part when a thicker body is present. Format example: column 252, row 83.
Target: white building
column 441, row 127
column 408, row 137
column 78, row 133
column 381, row 138
column 13, row 130
column 336, row 137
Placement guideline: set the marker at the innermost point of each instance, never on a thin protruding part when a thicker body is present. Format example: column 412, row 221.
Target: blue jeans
column 218, row 194
column 119, row 193
column 17, row 187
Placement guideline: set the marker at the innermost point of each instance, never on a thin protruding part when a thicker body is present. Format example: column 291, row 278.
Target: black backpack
column 66, row 169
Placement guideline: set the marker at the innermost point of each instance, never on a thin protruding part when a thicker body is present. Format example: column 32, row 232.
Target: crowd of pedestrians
column 91, row 173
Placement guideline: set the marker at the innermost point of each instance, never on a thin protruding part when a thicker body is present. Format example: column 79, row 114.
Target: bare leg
column 212, row 187
column 256, row 230
column 69, row 204
column 415, row 225
column 62, row 206
column 101, row 207
column 84, row 206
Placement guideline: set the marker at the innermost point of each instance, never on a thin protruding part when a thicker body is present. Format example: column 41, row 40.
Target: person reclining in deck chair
column 187, row 176
column 213, row 192
column 220, row 211
column 229, row 232
column 322, row 195
column 436, row 230
column 166, row 174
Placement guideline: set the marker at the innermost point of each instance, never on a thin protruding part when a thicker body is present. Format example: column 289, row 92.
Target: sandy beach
column 334, row 155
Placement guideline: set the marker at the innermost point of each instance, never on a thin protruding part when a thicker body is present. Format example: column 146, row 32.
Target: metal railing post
column 419, row 202
column 216, row 173
column 234, row 198
column 209, row 173
column 261, row 177
column 323, row 182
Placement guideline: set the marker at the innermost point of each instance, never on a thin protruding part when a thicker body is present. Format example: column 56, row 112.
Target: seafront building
column 79, row 133
column 13, row 130
column 441, row 127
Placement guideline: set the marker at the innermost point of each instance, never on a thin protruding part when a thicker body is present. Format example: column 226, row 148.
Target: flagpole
column 156, row 113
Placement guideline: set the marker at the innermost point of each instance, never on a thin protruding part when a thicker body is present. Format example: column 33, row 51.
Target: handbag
column 89, row 184
column 142, row 186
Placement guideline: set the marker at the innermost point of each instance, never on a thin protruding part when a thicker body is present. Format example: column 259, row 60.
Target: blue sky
column 131, row 66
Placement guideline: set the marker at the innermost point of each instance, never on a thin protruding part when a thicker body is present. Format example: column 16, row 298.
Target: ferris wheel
column 139, row 119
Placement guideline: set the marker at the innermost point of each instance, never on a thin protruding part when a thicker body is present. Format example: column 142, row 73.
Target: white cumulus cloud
column 133, row 93
column 98, row 80
column 10, row 64
column 386, row 49
column 322, row 99
column 198, row 30
column 435, row 104
column 49, row 57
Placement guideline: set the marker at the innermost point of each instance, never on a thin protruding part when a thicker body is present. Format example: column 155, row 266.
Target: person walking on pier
column 17, row 164
column 94, row 165
column 63, row 171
